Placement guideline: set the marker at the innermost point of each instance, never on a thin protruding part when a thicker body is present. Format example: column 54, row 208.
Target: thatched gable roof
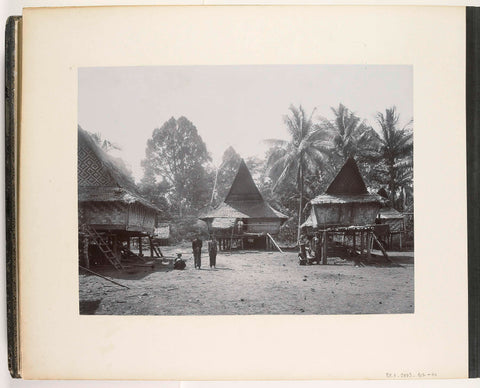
column 364, row 198
column 102, row 178
column 243, row 187
column 389, row 213
column 244, row 209
column 348, row 186
column 348, row 181
column 243, row 200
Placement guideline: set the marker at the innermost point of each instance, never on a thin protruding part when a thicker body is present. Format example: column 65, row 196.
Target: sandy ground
column 252, row 283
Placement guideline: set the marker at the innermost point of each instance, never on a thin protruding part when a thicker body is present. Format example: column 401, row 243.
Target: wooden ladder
column 156, row 248
column 104, row 247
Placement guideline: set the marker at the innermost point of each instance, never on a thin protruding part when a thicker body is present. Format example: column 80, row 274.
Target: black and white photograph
column 246, row 190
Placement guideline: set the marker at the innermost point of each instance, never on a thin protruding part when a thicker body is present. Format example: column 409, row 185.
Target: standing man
column 212, row 252
column 317, row 248
column 197, row 252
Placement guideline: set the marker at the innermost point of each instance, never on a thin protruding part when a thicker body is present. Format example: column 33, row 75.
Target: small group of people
column 310, row 249
column 197, row 252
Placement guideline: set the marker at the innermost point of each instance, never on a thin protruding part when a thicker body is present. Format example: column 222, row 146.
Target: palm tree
column 306, row 152
column 395, row 147
column 350, row 132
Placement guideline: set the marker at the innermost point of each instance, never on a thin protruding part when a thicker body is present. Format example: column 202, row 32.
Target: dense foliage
column 181, row 180
column 175, row 166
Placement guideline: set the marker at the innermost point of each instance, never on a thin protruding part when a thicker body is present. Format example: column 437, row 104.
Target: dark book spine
column 12, row 85
column 473, row 185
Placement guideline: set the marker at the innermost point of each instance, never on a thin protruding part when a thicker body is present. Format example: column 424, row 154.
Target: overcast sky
column 235, row 106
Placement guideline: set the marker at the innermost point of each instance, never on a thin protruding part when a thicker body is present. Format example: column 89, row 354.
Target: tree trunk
column 300, row 206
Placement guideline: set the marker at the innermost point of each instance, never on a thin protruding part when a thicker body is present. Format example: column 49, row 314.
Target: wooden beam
column 381, row 248
column 103, row 277
column 369, row 245
column 85, row 251
column 151, row 246
column 325, row 248
column 274, row 243
column 362, row 235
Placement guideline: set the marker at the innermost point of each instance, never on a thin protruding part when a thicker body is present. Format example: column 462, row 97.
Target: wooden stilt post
column 354, row 242
column 369, row 244
column 115, row 247
column 362, row 235
column 85, row 252
column 140, row 248
column 400, row 237
column 325, row 248
column 151, row 246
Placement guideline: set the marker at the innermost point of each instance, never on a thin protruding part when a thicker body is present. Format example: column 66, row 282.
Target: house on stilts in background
column 345, row 213
column 244, row 220
column 395, row 221
column 110, row 210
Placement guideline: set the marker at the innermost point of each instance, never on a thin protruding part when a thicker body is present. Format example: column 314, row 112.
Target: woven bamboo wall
column 346, row 214
column 396, row 224
column 105, row 213
column 262, row 225
column 140, row 218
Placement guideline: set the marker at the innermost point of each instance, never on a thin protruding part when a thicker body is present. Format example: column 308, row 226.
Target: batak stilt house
column 244, row 219
column 343, row 218
column 395, row 220
column 346, row 202
column 110, row 210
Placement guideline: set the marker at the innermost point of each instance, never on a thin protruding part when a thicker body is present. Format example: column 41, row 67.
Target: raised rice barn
column 396, row 225
column 244, row 219
column 343, row 218
column 109, row 206
column 346, row 202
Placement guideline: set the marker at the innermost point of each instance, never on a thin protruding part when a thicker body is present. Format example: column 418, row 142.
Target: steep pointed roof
column 243, row 200
column 348, row 181
column 347, row 187
column 102, row 178
column 243, row 187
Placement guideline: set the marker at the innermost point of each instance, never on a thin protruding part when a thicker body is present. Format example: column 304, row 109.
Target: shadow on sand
column 89, row 307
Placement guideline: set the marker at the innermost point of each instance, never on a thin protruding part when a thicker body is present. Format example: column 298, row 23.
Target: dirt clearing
column 252, row 283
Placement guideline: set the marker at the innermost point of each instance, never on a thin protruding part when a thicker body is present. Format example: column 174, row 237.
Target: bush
column 288, row 231
column 187, row 228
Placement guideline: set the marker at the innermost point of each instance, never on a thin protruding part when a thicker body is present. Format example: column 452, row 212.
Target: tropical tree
column 224, row 175
column 305, row 153
column 177, row 156
column 350, row 133
column 395, row 151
